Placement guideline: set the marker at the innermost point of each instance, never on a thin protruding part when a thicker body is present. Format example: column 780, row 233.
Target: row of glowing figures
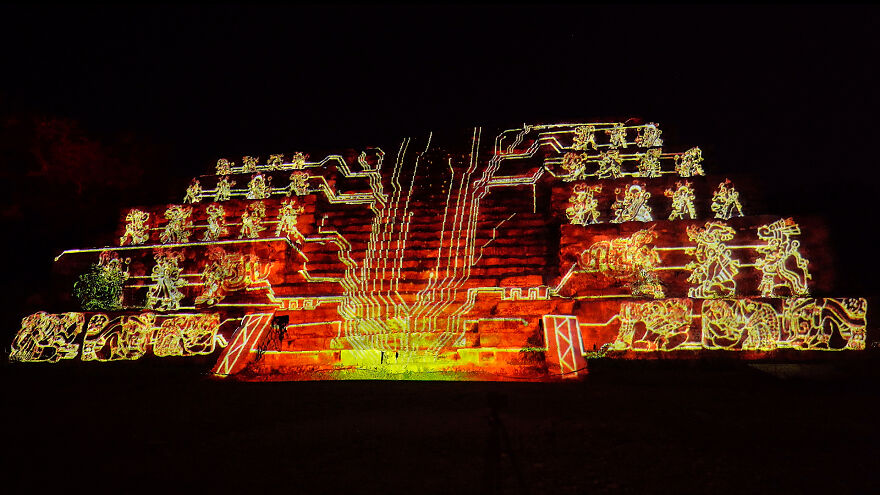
column 250, row 164
column 647, row 136
column 179, row 226
column 259, row 187
column 610, row 164
column 631, row 204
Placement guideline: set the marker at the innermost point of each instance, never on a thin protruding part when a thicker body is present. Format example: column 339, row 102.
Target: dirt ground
column 630, row 427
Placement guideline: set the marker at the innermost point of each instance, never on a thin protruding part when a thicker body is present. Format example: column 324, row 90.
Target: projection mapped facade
column 520, row 256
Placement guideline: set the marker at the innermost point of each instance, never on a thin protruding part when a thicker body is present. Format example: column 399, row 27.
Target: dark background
column 106, row 107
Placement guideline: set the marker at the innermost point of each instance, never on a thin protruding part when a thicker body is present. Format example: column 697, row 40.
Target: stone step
column 487, row 255
column 408, row 289
column 432, row 224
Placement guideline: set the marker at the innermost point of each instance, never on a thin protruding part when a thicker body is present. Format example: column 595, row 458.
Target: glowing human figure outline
column 682, row 201
column 713, row 269
column 779, row 248
column 633, row 205
column 583, row 209
column 136, row 228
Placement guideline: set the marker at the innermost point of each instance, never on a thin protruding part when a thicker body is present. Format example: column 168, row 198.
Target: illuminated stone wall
column 520, row 255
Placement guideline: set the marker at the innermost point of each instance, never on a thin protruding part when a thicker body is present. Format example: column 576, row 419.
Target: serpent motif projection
column 515, row 255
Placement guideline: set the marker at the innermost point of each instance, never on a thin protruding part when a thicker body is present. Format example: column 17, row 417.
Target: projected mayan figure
column 682, row 201
column 518, row 255
column 583, row 205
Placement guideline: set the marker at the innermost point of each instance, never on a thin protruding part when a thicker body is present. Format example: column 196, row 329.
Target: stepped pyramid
column 512, row 256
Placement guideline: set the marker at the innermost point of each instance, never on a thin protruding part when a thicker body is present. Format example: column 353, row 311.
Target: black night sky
column 787, row 94
column 104, row 107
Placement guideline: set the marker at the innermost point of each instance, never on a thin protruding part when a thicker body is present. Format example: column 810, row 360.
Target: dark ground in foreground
column 630, row 427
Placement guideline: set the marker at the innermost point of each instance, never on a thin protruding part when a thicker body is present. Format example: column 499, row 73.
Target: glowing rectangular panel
column 564, row 346
column 244, row 339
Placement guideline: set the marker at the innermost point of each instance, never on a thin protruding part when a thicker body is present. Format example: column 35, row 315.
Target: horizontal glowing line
column 322, row 351
column 682, row 248
column 685, row 346
column 482, row 349
column 313, row 324
column 146, row 286
column 521, row 320
column 150, row 277
column 599, row 324
column 230, row 305
column 164, row 246
column 573, row 124
column 316, row 298
column 604, row 296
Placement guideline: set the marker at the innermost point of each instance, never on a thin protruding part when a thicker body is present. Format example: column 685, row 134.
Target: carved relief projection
column 688, row 163
column 649, row 164
column 825, row 324
column 115, row 339
column 249, row 163
column 46, row 337
column 193, row 192
column 179, row 224
column 288, row 216
column 100, row 288
column 186, row 335
column 252, row 221
column 274, row 161
column 653, row 325
column 224, row 166
column 136, row 229
column 521, row 254
column 649, row 136
column 583, row 205
column 299, row 185
column 216, row 223
column 781, row 265
column 755, row 325
column 628, row 259
column 618, row 136
column 299, row 160
column 165, row 294
column 609, row 165
column 742, row 324
column 585, row 137
column 574, row 165
column 224, row 189
column 682, row 201
column 229, row 272
column 713, row 270
column 259, row 187
column 725, row 201
column 632, row 204
column 49, row 338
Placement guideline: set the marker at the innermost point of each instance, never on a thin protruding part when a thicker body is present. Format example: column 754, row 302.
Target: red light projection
column 520, row 257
